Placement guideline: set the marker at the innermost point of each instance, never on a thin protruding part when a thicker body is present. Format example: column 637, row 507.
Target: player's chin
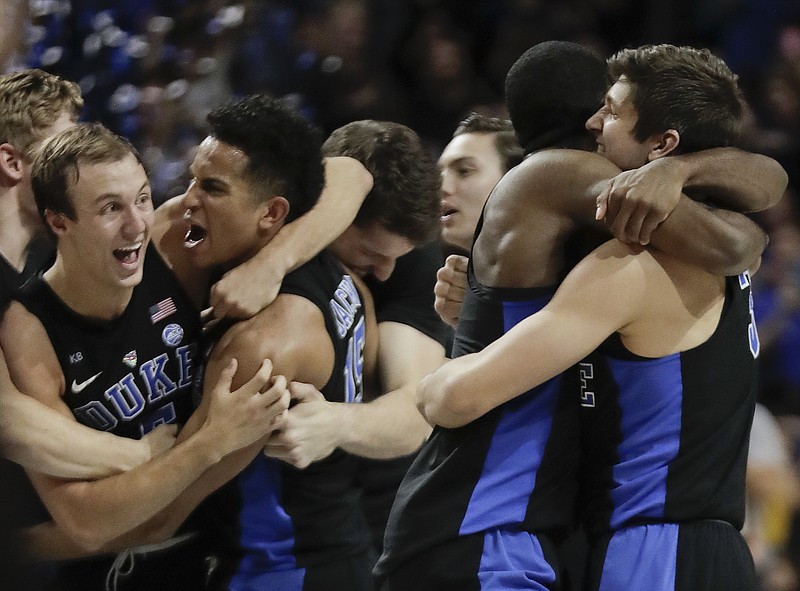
column 131, row 279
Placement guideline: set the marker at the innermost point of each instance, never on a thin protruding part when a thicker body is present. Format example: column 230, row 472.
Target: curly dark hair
column 405, row 194
column 551, row 90
column 283, row 149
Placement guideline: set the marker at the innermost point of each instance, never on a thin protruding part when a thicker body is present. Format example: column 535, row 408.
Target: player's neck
column 255, row 248
column 85, row 298
column 17, row 230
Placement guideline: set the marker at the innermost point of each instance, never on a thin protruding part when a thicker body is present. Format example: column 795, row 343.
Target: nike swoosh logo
column 77, row 388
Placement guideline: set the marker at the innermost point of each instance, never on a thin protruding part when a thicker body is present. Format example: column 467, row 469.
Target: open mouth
column 194, row 235
column 128, row 255
column 446, row 212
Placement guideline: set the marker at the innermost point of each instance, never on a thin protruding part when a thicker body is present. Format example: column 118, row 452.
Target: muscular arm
column 733, row 179
column 42, row 439
column 95, row 512
column 716, row 240
column 291, row 332
column 387, row 426
column 589, row 305
column 720, row 241
column 390, row 425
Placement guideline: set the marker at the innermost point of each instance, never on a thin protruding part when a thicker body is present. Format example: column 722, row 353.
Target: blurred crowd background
column 152, row 69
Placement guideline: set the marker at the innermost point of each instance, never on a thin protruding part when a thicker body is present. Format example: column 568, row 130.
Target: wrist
column 206, row 445
column 683, row 167
column 144, row 453
column 345, row 424
column 137, row 453
column 278, row 257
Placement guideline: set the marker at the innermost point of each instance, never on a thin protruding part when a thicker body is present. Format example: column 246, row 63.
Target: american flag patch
column 161, row 310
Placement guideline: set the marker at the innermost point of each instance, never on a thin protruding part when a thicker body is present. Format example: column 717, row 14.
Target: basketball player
column 482, row 150
column 491, row 496
column 109, row 340
column 292, row 518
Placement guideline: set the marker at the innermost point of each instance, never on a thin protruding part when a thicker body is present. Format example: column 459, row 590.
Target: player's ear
column 665, row 144
column 273, row 211
column 12, row 167
column 56, row 221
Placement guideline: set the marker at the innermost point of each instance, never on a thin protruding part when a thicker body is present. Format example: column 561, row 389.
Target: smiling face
column 225, row 223
column 105, row 243
column 612, row 126
column 470, row 167
column 370, row 250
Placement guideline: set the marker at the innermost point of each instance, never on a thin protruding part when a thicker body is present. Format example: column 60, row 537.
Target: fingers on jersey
column 245, row 415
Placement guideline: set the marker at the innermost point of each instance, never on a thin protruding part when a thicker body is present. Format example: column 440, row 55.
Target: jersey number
column 354, row 365
column 587, row 396
column 752, row 331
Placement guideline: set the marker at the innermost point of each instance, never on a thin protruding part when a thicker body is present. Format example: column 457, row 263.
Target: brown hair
column 57, row 161
column 505, row 139
column 682, row 88
column 405, row 193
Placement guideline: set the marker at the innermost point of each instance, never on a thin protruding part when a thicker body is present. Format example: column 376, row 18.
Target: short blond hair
column 30, row 102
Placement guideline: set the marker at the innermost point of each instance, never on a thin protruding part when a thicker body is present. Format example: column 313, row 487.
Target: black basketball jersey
column 514, row 467
column 132, row 373
column 21, row 506
column 40, row 256
column 275, row 516
column 407, row 296
column 665, row 439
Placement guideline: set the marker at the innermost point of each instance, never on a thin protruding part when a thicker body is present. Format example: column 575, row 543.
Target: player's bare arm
column 292, row 333
column 543, row 345
column 95, row 512
column 42, row 439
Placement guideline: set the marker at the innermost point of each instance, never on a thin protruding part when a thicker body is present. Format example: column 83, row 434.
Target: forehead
column 108, row 179
column 216, row 158
column 376, row 239
column 480, row 146
column 619, row 93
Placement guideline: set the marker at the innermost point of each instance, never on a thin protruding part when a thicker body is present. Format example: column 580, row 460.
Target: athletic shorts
column 181, row 563
column 497, row 560
column 705, row 555
column 347, row 574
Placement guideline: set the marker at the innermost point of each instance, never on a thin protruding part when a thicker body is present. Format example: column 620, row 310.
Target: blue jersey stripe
column 517, row 447
column 641, row 558
column 514, row 560
column 650, row 402
column 513, row 460
column 285, row 580
column 267, row 533
column 515, row 311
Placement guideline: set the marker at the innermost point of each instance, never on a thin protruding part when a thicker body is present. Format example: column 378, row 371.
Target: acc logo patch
column 130, row 359
column 172, row 335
